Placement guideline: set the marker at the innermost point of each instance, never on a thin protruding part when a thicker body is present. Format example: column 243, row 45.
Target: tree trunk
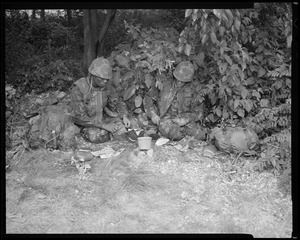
column 43, row 14
column 69, row 14
column 12, row 15
column 89, row 44
column 26, row 16
column 94, row 28
column 33, row 14
column 107, row 23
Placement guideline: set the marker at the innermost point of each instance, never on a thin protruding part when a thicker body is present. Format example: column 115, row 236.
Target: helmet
column 95, row 135
column 101, row 67
column 184, row 71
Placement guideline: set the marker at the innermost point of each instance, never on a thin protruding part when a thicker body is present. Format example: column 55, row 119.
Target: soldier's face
column 100, row 82
column 180, row 84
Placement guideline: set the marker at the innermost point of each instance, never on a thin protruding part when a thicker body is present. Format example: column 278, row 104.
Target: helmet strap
column 89, row 81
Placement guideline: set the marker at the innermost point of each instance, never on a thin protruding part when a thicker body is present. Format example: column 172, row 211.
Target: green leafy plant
column 276, row 153
column 241, row 61
column 43, row 75
column 42, row 54
column 270, row 120
column 145, row 63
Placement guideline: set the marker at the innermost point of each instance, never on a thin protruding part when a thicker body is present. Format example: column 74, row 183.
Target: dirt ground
column 171, row 192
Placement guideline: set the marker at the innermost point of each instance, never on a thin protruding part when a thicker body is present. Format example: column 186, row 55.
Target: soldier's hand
column 110, row 113
column 126, row 122
column 111, row 127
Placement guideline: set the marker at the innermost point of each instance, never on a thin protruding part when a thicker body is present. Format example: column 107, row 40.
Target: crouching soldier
column 91, row 99
column 179, row 113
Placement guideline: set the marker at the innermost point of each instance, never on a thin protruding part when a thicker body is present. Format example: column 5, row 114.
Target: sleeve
column 122, row 109
column 149, row 107
column 118, row 107
column 197, row 108
column 77, row 102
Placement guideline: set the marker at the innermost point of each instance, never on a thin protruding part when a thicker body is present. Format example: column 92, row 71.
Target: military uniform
column 55, row 128
column 98, row 105
column 178, row 110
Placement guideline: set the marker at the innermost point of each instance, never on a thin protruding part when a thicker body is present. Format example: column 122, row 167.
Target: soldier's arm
column 122, row 111
column 198, row 110
column 112, row 97
column 77, row 102
column 150, row 109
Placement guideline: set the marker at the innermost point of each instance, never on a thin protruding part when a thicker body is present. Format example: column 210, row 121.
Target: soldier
column 93, row 96
column 178, row 110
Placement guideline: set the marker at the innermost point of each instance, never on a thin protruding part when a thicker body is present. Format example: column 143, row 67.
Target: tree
column 89, row 36
column 69, row 15
column 94, row 43
column 43, row 14
column 107, row 23
column 33, row 14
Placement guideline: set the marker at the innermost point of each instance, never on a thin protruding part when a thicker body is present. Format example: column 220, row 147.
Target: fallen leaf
column 161, row 141
column 106, row 152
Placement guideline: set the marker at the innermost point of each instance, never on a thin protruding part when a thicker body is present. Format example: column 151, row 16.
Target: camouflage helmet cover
column 101, row 67
column 184, row 71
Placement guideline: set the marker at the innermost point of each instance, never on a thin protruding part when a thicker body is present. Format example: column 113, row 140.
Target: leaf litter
column 177, row 190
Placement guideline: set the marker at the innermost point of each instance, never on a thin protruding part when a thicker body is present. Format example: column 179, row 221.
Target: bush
column 145, row 18
column 242, row 64
column 41, row 55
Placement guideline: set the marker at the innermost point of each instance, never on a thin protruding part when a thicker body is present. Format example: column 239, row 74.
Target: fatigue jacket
column 88, row 102
column 174, row 101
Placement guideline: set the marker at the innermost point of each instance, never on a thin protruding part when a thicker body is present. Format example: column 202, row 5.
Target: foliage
column 41, row 55
column 41, row 74
column 273, row 126
column 38, row 49
column 276, row 153
column 243, row 62
column 146, row 18
column 145, row 62
column 10, row 92
column 270, row 119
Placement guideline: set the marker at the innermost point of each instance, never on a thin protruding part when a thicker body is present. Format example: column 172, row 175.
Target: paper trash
column 181, row 148
column 107, row 152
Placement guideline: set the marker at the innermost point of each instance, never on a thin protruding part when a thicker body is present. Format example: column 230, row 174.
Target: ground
column 171, row 192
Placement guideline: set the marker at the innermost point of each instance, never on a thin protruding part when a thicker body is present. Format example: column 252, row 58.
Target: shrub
column 242, row 63
column 42, row 55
